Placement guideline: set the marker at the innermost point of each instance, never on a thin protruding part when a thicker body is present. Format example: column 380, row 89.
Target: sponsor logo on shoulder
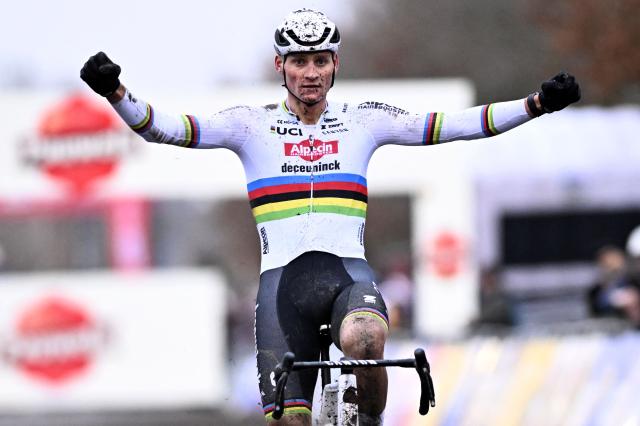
column 395, row 111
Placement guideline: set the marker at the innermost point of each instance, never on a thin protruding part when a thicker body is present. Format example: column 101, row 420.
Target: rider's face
column 309, row 75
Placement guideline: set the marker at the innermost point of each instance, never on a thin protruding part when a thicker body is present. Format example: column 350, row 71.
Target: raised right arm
column 226, row 129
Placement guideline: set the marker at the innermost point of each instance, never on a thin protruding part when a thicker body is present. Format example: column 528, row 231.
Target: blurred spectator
column 617, row 291
column 396, row 288
column 496, row 307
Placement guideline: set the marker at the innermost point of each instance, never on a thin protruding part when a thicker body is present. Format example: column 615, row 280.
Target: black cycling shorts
column 293, row 302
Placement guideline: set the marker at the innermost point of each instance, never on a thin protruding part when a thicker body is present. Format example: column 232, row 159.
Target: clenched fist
column 559, row 92
column 101, row 74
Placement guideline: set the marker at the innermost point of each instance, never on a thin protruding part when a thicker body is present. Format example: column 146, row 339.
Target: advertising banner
column 98, row 340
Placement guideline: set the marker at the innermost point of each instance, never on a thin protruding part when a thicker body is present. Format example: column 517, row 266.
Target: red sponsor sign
column 55, row 340
column 446, row 254
column 78, row 142
column 309, row 152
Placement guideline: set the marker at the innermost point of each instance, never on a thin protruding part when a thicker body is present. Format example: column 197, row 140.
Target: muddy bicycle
column 339, row 400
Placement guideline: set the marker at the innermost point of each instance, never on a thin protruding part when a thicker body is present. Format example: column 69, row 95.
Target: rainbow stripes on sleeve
column 191, row 131
column 287, row 196
column 432, row 128
column 191, row 128
column 488, row 126
column 146, row 123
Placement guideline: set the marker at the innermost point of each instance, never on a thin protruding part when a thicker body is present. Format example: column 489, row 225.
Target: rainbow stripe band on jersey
column 146, row 122
column 291, row 406
column 488, row 126
column 287, row 196
column 432, row 128
column 191, row 131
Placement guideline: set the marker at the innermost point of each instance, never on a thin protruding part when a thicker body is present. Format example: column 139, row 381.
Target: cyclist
column 305, row 160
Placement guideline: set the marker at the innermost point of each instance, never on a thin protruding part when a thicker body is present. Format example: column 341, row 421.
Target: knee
column 363, row 337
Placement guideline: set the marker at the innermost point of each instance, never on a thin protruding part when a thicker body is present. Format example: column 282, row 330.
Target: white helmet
column 306, row 30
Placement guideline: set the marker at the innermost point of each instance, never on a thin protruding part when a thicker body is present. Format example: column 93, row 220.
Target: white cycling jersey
column 307, row 184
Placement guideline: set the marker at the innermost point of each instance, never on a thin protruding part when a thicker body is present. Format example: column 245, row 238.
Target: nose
column 311, row 72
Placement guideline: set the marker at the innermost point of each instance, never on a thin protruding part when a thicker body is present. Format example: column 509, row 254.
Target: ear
column 336, row 61
column 278, row 63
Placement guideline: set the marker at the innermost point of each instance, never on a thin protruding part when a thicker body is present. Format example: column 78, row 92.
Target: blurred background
column 128, row 272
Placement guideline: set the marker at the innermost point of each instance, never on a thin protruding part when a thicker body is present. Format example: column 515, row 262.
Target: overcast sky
column 172, row 45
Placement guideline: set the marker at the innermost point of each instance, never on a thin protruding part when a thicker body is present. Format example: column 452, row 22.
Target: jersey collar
column 286, row 109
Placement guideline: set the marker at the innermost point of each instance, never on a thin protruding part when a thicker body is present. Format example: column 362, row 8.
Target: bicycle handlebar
column 419, row 362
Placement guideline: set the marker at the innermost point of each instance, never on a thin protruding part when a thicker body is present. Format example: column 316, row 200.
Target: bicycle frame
column 339, row 404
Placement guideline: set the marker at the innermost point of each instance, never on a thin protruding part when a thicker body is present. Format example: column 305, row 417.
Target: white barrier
column 75, row 341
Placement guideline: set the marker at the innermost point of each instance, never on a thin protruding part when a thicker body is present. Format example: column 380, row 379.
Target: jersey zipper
column 313, row 154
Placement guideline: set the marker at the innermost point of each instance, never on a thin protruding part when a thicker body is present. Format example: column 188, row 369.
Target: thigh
column 361, row 298
column 279, row 329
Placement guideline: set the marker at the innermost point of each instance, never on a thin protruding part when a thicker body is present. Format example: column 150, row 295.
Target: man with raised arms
column 305, row 160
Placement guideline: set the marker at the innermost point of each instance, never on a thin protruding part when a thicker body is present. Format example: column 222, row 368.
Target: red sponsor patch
column 55, row 340
column 308, row 152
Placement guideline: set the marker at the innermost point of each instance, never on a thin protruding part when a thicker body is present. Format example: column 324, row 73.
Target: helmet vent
column 336, row 37
column 280, row 40
column 322, row 38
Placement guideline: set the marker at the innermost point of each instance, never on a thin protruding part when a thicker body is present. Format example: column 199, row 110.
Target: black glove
column 559, row 92
column 101, row 74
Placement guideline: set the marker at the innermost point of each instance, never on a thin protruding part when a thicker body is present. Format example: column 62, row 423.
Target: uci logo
column 286, row 131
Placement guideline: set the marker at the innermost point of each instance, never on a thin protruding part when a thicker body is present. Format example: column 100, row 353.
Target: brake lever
column 427, row 392
column 282, row 371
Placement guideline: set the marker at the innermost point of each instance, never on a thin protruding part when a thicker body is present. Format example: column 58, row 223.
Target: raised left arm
column 402, row 128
